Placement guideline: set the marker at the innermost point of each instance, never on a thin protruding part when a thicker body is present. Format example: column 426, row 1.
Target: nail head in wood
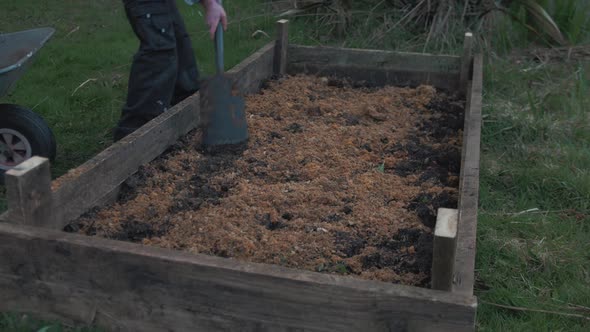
column 29, row 195
column 282, row 44
column 445, row 239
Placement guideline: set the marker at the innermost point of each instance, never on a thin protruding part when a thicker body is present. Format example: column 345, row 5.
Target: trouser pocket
column 153, row 23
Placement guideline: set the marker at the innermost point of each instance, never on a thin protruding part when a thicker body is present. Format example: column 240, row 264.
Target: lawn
column 534, row 221
column 78, row 83
column 533, row 261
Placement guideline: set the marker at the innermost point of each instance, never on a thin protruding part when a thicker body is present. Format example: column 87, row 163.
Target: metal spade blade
column 224, row 116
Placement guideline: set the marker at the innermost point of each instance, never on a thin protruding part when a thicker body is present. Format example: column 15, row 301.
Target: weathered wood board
column 464, row 277
column 29, row 191
column 377, row 68
column 249, row 75
column 129, row 287
column 445, row 245
column 85, row 186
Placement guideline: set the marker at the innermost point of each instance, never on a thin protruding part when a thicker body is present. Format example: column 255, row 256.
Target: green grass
column 534, row 224
column 534, row 221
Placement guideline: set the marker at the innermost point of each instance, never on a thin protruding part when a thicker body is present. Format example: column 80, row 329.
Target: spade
column 224, row 117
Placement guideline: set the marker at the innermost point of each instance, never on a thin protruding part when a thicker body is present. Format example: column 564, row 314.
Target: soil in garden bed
column 335, row 178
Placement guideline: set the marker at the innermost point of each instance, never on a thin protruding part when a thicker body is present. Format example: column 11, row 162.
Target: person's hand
column 214, row 13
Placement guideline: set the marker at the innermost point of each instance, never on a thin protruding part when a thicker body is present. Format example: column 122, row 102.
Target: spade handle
column 219, row 47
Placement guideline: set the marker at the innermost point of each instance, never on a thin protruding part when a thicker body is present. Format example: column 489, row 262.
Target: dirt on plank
column 335, row 178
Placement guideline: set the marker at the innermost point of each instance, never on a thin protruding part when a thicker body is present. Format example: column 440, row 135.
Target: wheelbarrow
column 23, row 133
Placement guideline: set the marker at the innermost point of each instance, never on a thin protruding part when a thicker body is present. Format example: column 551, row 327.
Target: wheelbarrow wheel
column 23, row 134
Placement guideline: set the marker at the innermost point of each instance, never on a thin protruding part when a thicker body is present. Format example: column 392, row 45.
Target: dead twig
column 532, row 211
column 575, row 307
column 550, row 312
column 72, row 31
column 260, row 32
column 39, row 103
column 81, row 85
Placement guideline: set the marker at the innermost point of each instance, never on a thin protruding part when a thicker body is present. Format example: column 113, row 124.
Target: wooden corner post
column 282, row 44
column 466, row 62
column 29, row 195
column 445, row 245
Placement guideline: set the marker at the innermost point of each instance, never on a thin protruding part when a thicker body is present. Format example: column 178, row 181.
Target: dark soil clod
column 395, row 253
column 426, row 206
column 333, row 218
column 270, row 224
column 347, row 210
column 337, row 82
column 274, row 134
column 294, row 128
column 449, row 120
column 135, row 231
column 349, row 244
column 313, row 111
column 351, row 119
column 367, row 147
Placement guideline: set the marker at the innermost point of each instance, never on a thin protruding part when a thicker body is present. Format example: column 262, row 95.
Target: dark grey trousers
column 164, row 70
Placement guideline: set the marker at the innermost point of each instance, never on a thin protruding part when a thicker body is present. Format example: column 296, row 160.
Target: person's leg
column 187, row 79
column 155, row 65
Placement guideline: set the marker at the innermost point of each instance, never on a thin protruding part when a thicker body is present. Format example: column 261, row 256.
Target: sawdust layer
column 334, row 178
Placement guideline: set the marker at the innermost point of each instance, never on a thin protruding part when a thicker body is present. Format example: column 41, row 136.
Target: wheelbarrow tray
column 18, row 48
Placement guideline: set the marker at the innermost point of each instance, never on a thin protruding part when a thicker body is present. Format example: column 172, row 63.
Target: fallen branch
column 537, row 310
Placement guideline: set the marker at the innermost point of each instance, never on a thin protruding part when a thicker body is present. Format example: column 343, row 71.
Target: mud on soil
column 335, row 178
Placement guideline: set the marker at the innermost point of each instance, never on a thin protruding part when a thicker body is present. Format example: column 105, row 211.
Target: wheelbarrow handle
column 219, row 47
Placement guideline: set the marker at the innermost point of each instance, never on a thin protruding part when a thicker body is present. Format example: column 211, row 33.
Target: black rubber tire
column 32, row 126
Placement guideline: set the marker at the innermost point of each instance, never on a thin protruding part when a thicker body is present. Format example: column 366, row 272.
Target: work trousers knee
column 164, row 70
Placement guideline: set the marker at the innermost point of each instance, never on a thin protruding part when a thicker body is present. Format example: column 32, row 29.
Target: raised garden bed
column 334, row 179
column 322, row 186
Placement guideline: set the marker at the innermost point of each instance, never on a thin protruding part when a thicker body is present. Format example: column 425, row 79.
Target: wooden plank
column 445, row 242
column 130, row 287
column 249, row 75
column 466, row 62
column 464, row 277
column 29, row 196
column 97, row 180
column 86, row 186
column 282, row 44
column 375, row 58
column 377, row 68
column 380, row 77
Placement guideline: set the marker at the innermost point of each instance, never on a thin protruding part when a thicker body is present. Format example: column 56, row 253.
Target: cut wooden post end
column 282, row 44
column 445, row 241
column 466, row 62
column 29, row 195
